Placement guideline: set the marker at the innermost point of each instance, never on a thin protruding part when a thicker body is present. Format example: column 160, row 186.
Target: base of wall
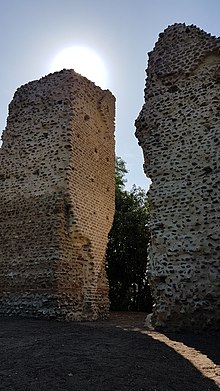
column 194, row 321
column 60, row 306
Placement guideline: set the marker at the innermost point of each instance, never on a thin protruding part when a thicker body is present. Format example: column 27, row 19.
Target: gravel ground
column 116, row 354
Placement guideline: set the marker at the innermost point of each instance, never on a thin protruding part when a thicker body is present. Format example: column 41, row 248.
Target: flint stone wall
column 56, row 199
column 178, row 129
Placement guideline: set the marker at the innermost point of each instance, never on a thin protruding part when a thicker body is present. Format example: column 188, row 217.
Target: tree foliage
column 127, row 247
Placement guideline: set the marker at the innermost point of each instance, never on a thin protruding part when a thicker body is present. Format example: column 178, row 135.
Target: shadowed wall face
column 178, row 129
column 56, row 198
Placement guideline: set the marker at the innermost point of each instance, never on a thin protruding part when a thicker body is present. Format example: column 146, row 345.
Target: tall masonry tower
column 179, row 131
column 56, row 199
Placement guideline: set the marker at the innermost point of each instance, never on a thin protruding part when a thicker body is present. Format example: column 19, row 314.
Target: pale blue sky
column 120, row 31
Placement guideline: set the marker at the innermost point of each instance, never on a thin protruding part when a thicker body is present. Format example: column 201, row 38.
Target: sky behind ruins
column 120, row 31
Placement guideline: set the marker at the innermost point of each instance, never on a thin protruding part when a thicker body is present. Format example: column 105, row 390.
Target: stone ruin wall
column 56, row 199
column 178, row 129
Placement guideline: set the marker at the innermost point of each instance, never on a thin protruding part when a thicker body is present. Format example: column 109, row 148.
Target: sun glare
column 84, row 61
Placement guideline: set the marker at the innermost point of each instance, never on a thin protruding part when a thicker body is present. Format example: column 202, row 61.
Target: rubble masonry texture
column 178, row 129
column 56, row 199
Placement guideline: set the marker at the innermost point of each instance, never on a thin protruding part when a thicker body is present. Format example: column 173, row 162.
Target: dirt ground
column 116, row 354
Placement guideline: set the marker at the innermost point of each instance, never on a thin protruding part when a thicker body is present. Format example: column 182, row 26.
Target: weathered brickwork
column 178, row 129
column 56, row 199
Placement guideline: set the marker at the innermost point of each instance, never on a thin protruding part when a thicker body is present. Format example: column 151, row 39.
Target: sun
column 84, row 61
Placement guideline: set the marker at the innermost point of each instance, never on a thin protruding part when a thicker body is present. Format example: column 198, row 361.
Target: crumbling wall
column 56, row 199
column 178, row 129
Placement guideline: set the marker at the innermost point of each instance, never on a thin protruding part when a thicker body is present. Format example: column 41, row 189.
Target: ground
column 116, row 354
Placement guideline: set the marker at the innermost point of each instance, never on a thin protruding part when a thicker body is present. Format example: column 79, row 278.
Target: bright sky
column 120, row 32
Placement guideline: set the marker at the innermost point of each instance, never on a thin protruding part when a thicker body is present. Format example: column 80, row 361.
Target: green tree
column 126, row 255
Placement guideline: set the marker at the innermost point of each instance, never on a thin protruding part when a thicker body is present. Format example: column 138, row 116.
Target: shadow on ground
column 206, row 343
column 39, row 355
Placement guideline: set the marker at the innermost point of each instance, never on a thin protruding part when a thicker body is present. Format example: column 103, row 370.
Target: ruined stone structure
column 178, row 129
column 56, row 199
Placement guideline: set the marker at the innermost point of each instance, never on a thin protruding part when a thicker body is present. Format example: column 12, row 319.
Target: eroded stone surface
column 178, row 129
column 56, row 198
